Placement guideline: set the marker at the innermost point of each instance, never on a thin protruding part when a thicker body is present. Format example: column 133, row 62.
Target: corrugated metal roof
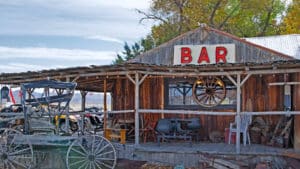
column 287, row 44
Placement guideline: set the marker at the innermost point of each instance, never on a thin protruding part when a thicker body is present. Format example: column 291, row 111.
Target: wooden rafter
column 96, row 74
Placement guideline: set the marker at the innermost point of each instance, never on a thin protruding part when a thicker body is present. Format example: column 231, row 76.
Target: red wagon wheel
column 209, row 92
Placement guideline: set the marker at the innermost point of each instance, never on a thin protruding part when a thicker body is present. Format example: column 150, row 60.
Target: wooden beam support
column 186, row 112
column 76, row 78
column 189, row 73
column 136, row 115
column 238, row 116
column 231, row 79
column 245, row 79
column 226, row 72
column 105, row 105
column 121, row 111
column 67, row 78
column 83, row 99
column 238, row 85
column 195, row 112
column 283, row 83
column 89, row 81
column 296, row 107
column 143, row 78
column 130, row 78
column 67, row 110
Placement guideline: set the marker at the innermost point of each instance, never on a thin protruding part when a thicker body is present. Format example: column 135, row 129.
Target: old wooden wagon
column 205, row 74
column 38, row 130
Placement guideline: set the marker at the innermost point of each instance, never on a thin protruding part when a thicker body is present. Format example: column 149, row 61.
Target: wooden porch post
column 83, row 99
column 105, row 105
column 238, row 112
column 238, row 83
column 296, row 107
column 136, row 115
column 68, row 113
column 137, row 82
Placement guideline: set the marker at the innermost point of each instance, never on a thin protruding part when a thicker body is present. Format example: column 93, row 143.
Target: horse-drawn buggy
column 37, row 126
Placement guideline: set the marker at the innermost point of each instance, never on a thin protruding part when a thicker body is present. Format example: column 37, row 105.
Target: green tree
column 291, row 23
column 243, row 18
column 171, row 18
column 136, row 49
column 128, row 53
column 148, row 43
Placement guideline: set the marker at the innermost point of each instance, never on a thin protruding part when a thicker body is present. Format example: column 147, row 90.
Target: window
column 179, row 95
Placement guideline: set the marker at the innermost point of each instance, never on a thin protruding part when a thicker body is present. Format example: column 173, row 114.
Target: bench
column 115, row 134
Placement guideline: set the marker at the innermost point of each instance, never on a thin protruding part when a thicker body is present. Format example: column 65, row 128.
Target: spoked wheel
column 91, row 152
column 209, row 92
column 15, row 150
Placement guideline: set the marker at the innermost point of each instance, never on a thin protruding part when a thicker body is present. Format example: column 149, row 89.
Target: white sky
column 42, row 34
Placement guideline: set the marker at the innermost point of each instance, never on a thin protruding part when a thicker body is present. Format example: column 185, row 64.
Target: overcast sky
column 43, row 34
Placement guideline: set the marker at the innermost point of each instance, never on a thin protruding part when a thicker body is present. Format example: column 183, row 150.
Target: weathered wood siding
column 263, row 96
column 151, row 97
column 256, row 88
column 123, row 98
column 296, row 107
column 245, row 51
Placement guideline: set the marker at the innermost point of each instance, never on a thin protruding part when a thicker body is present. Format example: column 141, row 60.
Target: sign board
column 204, row 54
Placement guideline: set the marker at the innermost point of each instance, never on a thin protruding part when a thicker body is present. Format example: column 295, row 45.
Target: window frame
column 168, row 81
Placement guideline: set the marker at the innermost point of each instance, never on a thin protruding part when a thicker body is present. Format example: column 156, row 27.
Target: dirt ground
column 129, row 164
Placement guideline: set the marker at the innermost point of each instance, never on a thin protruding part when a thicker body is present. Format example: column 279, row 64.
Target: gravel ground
column 130, row 164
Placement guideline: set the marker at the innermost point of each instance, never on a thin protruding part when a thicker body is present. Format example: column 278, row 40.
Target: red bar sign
column 204, row 54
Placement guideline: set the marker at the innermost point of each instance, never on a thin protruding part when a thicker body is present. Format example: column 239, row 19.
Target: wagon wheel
column 209, row 92
column 15, row 150
column 91, row 152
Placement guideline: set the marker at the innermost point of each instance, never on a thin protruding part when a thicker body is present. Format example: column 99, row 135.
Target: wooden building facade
column 151, row 87
column 260, row 91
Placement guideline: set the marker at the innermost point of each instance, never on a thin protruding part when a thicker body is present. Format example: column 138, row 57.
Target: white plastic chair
column 245, row 122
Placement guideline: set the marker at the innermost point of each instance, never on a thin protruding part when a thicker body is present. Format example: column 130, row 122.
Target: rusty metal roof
column 287, row 44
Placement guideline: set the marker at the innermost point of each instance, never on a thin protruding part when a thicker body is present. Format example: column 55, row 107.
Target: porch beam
column 195, row 112
column 215, row 73
column 68, row 79
column 130, row 78
column 83, row 99
column 136, row 106
column 121, row 111
column 76, row 78
column 238, row 116
column 245, row 79
column 273, row 113
column 152, row 111
column 283, row 83
column 19, row 79
column 231, row 79
column 143, row 78
column 105, row 105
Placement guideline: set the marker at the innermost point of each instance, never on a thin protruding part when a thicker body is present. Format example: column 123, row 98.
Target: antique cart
column 17, row 145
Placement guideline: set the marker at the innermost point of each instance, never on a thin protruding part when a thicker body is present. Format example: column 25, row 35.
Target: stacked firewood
column 263, row 133
column 282, row 133
column 259, row 131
